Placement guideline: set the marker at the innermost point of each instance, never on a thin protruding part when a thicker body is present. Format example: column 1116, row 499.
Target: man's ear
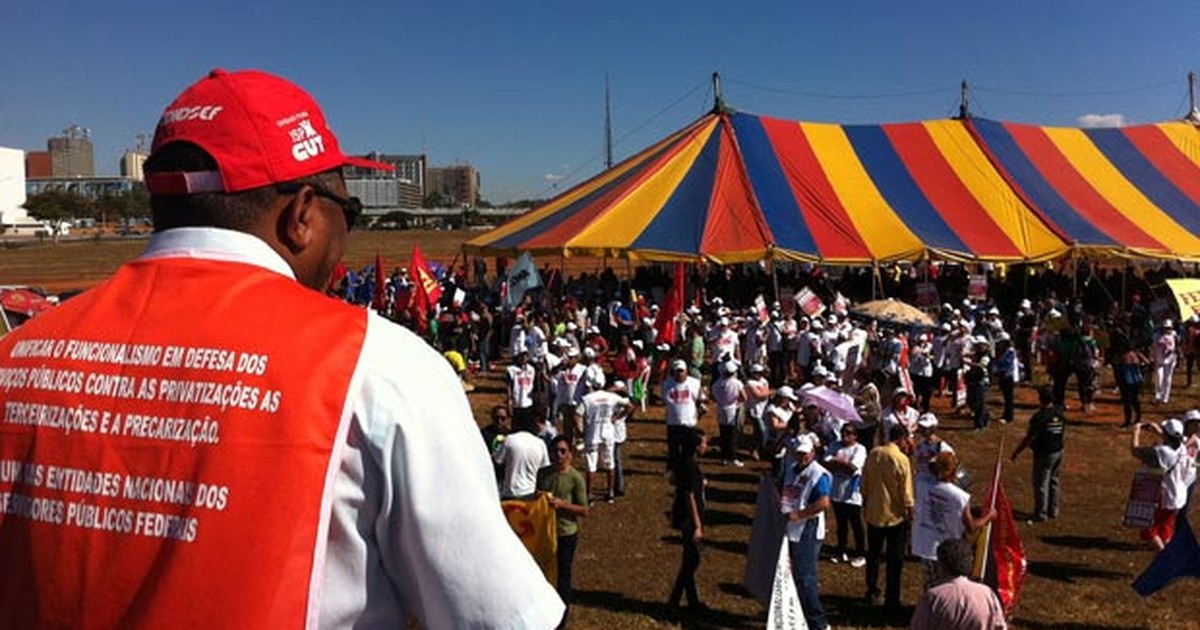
column 300, row 220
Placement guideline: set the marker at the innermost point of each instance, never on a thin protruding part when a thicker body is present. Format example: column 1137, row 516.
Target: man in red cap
column 205, row 440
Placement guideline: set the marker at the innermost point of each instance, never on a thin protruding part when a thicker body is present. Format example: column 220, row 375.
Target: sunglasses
column 351, row 206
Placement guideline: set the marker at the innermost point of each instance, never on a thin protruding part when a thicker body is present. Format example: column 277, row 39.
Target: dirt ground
column 1080, row 565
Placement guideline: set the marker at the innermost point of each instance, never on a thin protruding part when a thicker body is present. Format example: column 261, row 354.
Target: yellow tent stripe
column 1185, row 137
column 886, row 236
column 975, row 171
column 624, row 220
column 539, row 214
column 1102, row 176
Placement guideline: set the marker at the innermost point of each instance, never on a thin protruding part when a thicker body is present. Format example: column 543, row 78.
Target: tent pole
column 774, row 277
column 562, row 275
column 875, row 278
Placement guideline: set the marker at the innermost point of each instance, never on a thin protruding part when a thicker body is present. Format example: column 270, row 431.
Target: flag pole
column 987, row 532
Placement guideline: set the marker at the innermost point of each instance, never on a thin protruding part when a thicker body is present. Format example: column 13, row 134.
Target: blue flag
column 1179, row 559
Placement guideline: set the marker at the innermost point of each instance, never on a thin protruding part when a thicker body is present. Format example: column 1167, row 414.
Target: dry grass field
column 1080, row 565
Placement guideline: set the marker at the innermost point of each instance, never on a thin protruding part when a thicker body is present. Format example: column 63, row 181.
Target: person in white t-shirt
column 900, row 412
column 947, row 514
column 516, row 337
column 520, row 378
column 1172, row 458
column 846, row 460
column 684, row 399
column 523, row 454
column 566, row 391
column 758, row 394
column 728, row 395
column 599, row 411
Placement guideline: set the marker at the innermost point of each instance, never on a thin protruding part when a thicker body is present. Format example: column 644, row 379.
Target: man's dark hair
column 1045, row 395
column 240, row 211
column 956, row 557
column 897, row 432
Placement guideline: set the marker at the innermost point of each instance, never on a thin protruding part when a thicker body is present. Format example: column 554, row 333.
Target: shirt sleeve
column 820, row 490
column 442, row 536
column 579, row 495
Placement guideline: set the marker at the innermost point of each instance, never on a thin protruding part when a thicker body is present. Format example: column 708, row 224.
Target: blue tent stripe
column 516, row 239
column 1115, row 146
column 780, row 209
column 1039, row 192
column 899, row 189
column 679, row 225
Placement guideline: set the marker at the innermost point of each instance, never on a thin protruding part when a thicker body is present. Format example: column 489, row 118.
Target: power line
column 1148, row 87
column 844, row 97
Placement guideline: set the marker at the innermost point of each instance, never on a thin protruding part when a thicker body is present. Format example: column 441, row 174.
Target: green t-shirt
column 571, row 487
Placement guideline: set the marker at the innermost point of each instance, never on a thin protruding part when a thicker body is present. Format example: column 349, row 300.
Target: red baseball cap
column 261, row 129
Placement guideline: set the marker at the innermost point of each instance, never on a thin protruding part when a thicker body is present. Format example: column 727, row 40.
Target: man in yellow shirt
column 887, row 489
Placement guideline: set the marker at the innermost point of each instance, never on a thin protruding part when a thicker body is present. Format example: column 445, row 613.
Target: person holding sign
column 272, row 457
column 1173, row 460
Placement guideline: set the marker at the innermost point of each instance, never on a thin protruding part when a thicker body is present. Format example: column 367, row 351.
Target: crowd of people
column 587, row 353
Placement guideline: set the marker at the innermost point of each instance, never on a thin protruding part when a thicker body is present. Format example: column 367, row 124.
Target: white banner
column 785, row 612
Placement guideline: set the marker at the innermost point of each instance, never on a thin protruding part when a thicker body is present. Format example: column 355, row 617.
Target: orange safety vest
column 167, row 450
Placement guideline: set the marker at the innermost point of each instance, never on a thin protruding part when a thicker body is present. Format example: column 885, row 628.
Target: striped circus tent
column 1130, row 191
column 735, row 187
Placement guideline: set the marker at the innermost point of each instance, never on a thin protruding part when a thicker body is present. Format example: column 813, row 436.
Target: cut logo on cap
column 307, row 143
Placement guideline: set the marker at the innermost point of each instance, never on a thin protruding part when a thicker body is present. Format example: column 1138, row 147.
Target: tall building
column 13, row 218
column 459, row 183
column 71, row 154
column 131, row 165
column 401, row 188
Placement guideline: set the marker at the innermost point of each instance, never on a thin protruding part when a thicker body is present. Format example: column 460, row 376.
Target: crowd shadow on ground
column 699, row 619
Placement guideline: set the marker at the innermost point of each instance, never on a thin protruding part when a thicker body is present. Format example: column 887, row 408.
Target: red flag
column 672, row 306
column 335, row 279
column 379, row 300
column 1004, row 551
column 426, row 289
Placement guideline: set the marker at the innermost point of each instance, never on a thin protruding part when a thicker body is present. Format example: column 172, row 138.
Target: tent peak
column 719, row 106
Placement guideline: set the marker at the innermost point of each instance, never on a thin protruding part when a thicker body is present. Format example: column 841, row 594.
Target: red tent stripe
column 1076, row 191
column 826, row 218
column 946, row 192
column 565, row 231
column 1166, row 157
column 734, row 222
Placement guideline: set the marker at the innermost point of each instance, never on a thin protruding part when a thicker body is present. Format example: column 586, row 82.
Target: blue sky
column 517, row 89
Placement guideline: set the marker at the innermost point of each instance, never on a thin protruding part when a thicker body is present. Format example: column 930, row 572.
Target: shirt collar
column 216, row 244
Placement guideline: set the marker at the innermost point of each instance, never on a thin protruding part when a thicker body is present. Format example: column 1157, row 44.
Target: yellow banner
column 534, row 523
column 1187, row 295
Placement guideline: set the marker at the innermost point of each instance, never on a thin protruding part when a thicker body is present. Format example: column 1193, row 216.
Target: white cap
column 1173, row 428
column 900, row 390
column 718, row 301
column 1192, row 415
column 946, row 326
column 559, row 342
column 758, row 367
column 654, row 307
column 730, row 367
column 787, row 392
column 572, row 326
column 820, row 371
column 693, row 309
column 1026, row 304
column 664, row 347
column 993, row 311
column 572, row 352
column 804, row 444
column 618, row 386
column 1053, row 313
column 833, row 319
column 724, row 321
column 1166, row 323
column 817, row 325
column 589, row 353
column 678, row 364
column 638, row 343
column 927, row 421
